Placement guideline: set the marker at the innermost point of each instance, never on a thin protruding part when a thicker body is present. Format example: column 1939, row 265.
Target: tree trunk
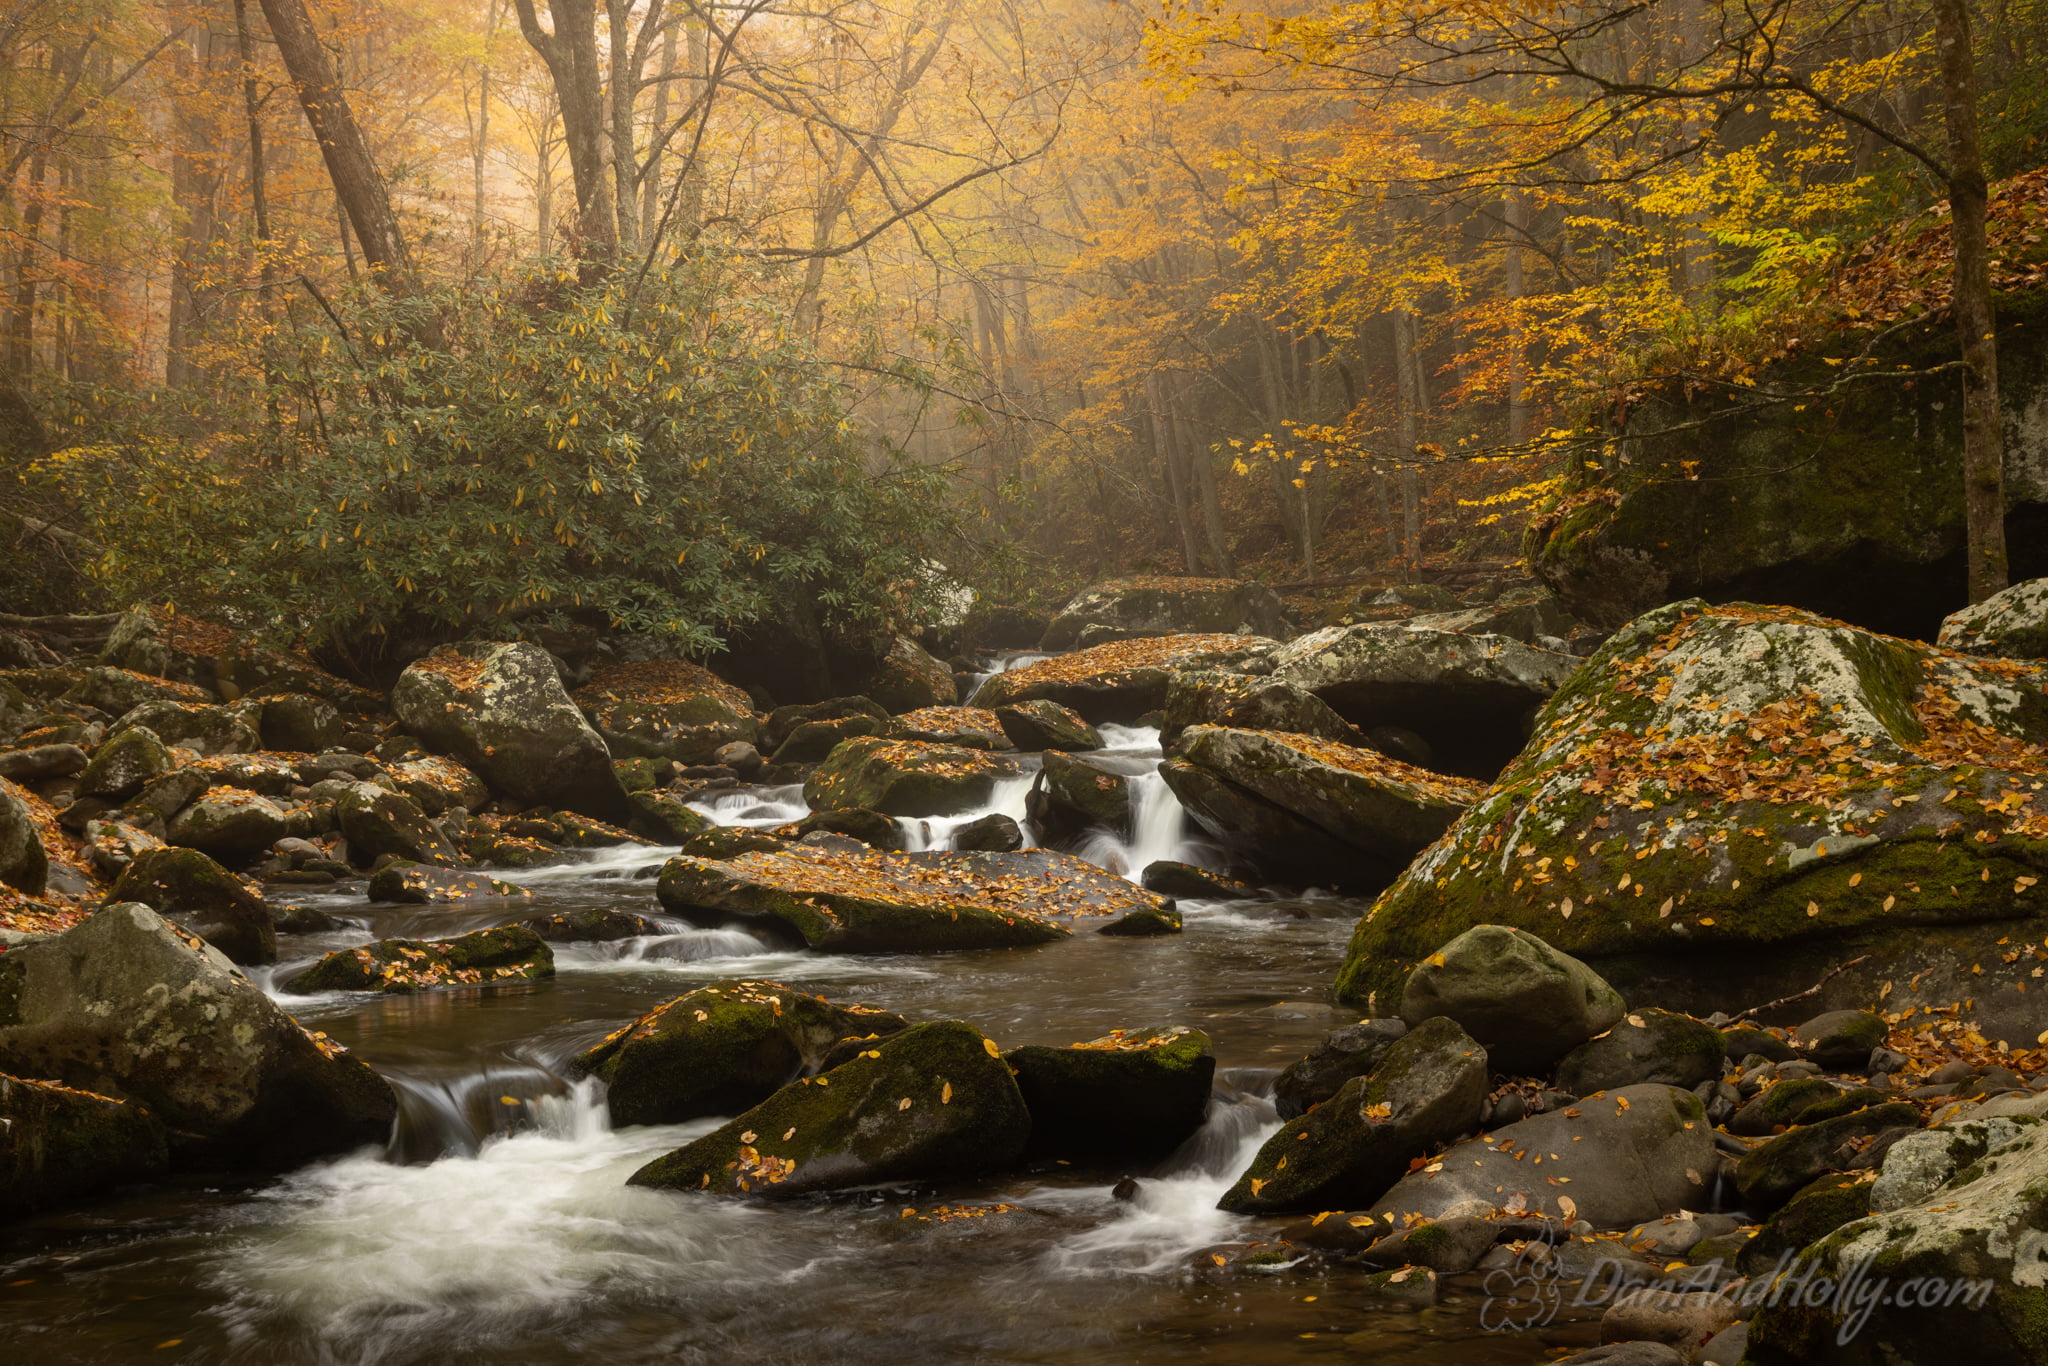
column 1516, row 215
column 1176, row 485
column 570, row 53
column 1411, row 400
column 1969, row 203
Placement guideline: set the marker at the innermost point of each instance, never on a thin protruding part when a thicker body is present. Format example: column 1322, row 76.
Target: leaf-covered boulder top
column 1033, row 882
column 659, row 682
column 1153, row 605
column 165, row 644
column 1380, row 768
column 1735, row 776
column 1144, row 661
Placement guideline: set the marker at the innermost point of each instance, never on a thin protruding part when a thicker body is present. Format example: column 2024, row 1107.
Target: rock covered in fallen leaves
column 510, row 953
column 667, row 709
column 57, row 1142
column 932, row 1103
column 1305, row 809
column 890, row 903
column 1120, row 681
column 1042, row 724
column 230, row 824
column 723, row 1048
column 1211, row 697
column 426, row 884
column 1130, row 1093
column 149, row 640
column 207, row 729
column 377, row 821
column 904, row 777
column 2013, row 624
column 1527, row 1002
column 436, row 783
column 1345, row 1153
column 1124, row 609
column 502, row 710
column 1726, row 798
column 967, row 727
column 189, row 889
column 127, row 1005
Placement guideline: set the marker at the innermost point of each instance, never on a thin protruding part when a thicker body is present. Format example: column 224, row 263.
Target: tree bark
column 570, row 54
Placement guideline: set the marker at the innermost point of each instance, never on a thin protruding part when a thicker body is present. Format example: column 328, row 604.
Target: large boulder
column 502, row 710
column 1208, row 697
column 908, row 679
column 1471, row 697
column 1526, row 1002
column 377, row 821
column 1615, row 1159
column 1127, row 609
column 1730, row 802
column 437, row 783
column 1307, row 809
column 57, row 1142
column 510, row 953
column 1348, row 1151
column 967, row 727
column 1130, row 1093
column 124, row 1004
column 1071, row 795
column 934, row 1102
column 124, row 764
column 904, row 777
column 1120, row 681
column 229, row 824
column 1041, row 724
column 891, row 903
column 2013, row 624
column 1523, row 614
column 24, row 862
column 667, row 709
column 226, row 729
column 721, row 1049
column 189, row 889
column 150, row 640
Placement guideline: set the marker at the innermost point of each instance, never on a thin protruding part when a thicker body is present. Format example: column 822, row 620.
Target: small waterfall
column 1001, row 664
column 455, row 1116
column 1007, row 798
column 759, row 807
column 1160, row 828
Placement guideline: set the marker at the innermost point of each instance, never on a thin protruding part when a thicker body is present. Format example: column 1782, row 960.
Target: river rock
column 1126, row 609
column 510, row 953
column 425, row 884
column 1171, row 877
column 1525, row 614
column 667, row 709
column 1526, row 1002
column 1815, row 1211
column 1645, row 1045
column 1842, row 1040
column 783, row 723
column 932, row 1103
column 723, row 1048
column 207, row 655
column 297, row 723
column 119, row 691
column 1129, row 1094
column 24, row 862
column 377, row 821
column 124, row 763
column 1071, row 795
column 125, row 1005
column 42, row 761
column 502, row 711
column 1305, row 809
column 871, row 828
column 890, row 903
column 229, row 824
column 1769, row 1174
column 1120, row 681
column 668, row 817
column 111, row 846
column 1684, row 1319
column 994, row 833
column 189, row 889
column 2013, row 624
column 908, row 679
column 1345, row 1153
column 904, row 777
column 1617, row 1159
column 1210, row 697
column 230, row 729
column 1042, row 724
column 592, row 925
column 58, row 1142
column 1796, row 1100
column 437, row 783
column 730, row 841
column 967, row 727
column 1352, row 1051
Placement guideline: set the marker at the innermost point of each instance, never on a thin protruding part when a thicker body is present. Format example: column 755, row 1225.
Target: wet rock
column 1619, row 1158
column 1526, row 1002
column 1042, row 724
column 377, row 821
column 1449, row 1247
column 1352, row 1051
column 1136, row 1094
column 871, row 828
column 1346, row 1153
column 426, row 884
column 934, row 1102
column 1170, row 877
column 904, row 778
column 592, row 925
column 211, row 730
column 908, row 679
column 1815, row 1211
column 2013, row 624
column 667, row 816
column 1145, row 921
column 667, row 709
column 57, row 1143
column 42, row 761
column 511, row 953
column 1841, row 1039
column 967, row 727
column 1072, row 795
column 126, row 1006
column 125, row 763
column 190, row 890
column 730, row 841
column 1411, row 1287
column 1681, row 1319
column 229, row 824
column 1645, row 1045
column 24, row 863
column 1120, row 681
column 502, row 710
column 994, row 833
column 1215, row 698
column 1127, row 609
column 1771, row 1172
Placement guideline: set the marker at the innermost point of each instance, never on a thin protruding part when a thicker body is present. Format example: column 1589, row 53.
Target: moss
column 903, row 777
column 1816, row 1211
column 511, row 953
column 1127, row 1094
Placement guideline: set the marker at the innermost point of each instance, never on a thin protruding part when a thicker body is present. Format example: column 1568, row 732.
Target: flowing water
column 496, row 1227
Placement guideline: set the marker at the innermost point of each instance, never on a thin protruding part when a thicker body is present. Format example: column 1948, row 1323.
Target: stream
column 496, row 1226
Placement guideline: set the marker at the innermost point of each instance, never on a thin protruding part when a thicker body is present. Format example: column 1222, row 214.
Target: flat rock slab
column 1120, row 681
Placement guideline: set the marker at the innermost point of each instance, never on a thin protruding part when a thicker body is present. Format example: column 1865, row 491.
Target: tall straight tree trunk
column 650, row 174
column 570, row 53
column 1176, row 483
column 1516, row 215
column 1411, row 401
column 1969, row 205
column 21, row 321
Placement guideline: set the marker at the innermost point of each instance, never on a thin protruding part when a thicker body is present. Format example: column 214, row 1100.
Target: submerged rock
column 1131, row 1094
column 667, row 709
column 904, row 777
column 511, row 953
column 1127, row 609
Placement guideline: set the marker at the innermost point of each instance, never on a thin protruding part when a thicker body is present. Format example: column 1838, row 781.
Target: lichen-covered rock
column 723, row 1048
column 667, row 709
column 904, row 777
column 2013, row 624
column 908, row 679
column 1470, row 696
column 1769, row 1174
column 225, row 729
column 502, row 710
column 1524, row 615
column 437, row 783
column 377, row 821
column 934, row 1102
column 1210, row 697
column 1348, row 1151
column 1071, row 795
column 1120, row 681
column 1817, row 1210
column 229, row 824
column 1127, row 609
column 202, row 653
column 24, row 862
column 1525, row 1001
column 1726, row 800
column 1615, row 1159
column 892, row 903
column 189, row 889
column 1041, row 724
column 1644, row 1045
column 1130, row 1093
column 1352, row 1051
column 125, row 763
column 1305, row 809
column 510, row 953
column 297, row 723
column 668, row 816
column 125, row 1005
column 58, row 1142
column 425, row 884
column 967, row 727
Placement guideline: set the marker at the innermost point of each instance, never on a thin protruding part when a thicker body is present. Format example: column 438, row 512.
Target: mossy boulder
column 932, row 1103
column 437, row 783
column 2013, row 624
column 1125, row 609
column 1041, row 724
column 1768, row 1174
column 1781, row 1105
column 1525, row 1001
column 222, row 729
column 783, row 723
column 721, row 1049
column 1347, row 1152
column 377, row 821
column 1815, row 1211
column 296, row 723
column 127, row 1005
column 24, row 862
column 230, row 824
column 208, row 655
column 1071, row 795
column 1842, row 1039
column 908, row 679
column 1171, row 877
column 592, row 925
column 426, row 884
column 667, row 709
column 810, row 741
column 1120, row 681
column 1645, row 1045
column 1353, row 1051
column 1728, row 802
column 124, row 764
column 1306, row 809
column 871, row 828
column 189, row 889
column 668, row 816
column 1129, row 1094
column 58, row 1143
column 1210, row 697
column 510, row 953
column 904, row 777
column 119, row 691
column 730, row 841
column 502, row 710
column 967, row 727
